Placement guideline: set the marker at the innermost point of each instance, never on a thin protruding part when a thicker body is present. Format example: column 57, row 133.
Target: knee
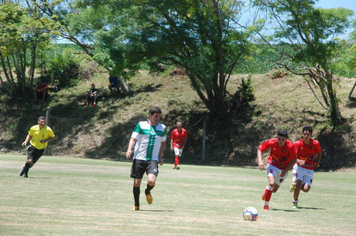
column 306, row 188
column 31, row 162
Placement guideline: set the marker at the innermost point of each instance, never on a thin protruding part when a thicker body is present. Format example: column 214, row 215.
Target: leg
column 297, row 190
column 136, row 193
column 110, row 87
column 176, row 161
column 44, row 94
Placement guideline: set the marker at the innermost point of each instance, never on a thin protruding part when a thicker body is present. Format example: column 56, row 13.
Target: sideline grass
column 72, row 196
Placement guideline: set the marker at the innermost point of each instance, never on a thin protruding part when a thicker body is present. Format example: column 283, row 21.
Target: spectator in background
column 235, row 102
column 92, row 95
column 114, row 83
column 41, row 90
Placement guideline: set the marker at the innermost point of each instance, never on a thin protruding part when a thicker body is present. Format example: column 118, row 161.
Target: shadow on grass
column 299, row 208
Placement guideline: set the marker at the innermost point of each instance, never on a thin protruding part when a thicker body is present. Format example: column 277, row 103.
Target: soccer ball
column 250, row 213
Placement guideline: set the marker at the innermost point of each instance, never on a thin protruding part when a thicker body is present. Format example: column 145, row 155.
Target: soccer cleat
column 94, row 104
column 25, row 175
column 174, row 168
column 22, row 171
column 295, row 204
column 149, row 198
column 266, row 207
column 292, row 187
column 136, row 208
column 177, row 167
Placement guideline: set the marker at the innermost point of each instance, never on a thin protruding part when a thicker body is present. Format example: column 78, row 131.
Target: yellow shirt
column 38, row 134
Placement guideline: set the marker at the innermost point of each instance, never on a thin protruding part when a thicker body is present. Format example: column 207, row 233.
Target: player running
column 39, row 136
column 149, row 139
column 306, row 151
column 178, row 140
column 280, row 161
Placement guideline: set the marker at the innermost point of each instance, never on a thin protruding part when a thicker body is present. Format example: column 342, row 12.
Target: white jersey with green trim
column 149, row 140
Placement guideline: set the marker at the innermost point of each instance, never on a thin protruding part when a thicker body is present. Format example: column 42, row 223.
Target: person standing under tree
column 178, row 140
column 280, row 161
column 39, row 136
column 149, row 139
column 306, row 151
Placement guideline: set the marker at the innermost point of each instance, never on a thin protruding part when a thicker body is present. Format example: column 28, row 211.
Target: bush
column 247, row 89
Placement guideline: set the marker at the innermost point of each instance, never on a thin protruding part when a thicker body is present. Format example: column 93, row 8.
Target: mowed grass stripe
column 76, row 196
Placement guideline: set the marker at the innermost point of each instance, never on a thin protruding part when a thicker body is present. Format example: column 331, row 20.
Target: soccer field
column 74, row 196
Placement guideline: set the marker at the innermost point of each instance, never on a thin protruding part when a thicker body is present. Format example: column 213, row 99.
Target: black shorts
column 34, row 153
column 139, row 167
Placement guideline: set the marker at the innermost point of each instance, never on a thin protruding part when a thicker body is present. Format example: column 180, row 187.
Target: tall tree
column 199, row 35
column 306, row 39
column 20, row 36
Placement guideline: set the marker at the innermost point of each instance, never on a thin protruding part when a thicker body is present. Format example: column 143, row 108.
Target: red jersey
column 279, row 157
column 179, row 137
column 307, row 152
column 41, row 87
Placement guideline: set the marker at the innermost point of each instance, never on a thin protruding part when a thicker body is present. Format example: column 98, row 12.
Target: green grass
column 73, row 196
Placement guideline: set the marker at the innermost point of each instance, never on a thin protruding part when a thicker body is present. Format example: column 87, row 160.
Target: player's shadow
column 299, row 208
column 158, row 210
column 312, row 208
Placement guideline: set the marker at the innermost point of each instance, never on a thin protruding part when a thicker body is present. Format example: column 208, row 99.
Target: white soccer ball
column 250, row 213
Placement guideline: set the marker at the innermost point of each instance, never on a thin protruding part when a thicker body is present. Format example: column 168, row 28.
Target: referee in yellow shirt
column 39, row 136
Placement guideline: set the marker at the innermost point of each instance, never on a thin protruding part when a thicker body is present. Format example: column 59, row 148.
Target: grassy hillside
column 104, row 131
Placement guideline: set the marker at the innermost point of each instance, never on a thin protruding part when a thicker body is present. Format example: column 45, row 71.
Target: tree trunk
column 352, row 90
column 335, row 114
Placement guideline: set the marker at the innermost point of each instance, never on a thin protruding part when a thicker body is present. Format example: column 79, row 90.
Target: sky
column 349, row 4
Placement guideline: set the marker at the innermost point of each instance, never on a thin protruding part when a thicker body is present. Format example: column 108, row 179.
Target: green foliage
column 62, row 67
column 310, row 33
column 247, row 89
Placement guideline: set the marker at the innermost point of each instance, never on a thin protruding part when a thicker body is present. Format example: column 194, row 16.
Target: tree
column 305, row 38
column 20, row 37
column 200, row 36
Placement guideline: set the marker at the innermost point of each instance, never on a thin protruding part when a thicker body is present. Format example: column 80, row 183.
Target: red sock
column 267, row 194
column 176, row 161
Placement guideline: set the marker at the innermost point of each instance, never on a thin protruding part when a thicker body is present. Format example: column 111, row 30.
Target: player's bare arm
column 172, row 144
column 259, row 159
column 318, row 158
column 289, row 167
column 47, row 140
column 129, row 149
column 28, row 137
column 161, row 150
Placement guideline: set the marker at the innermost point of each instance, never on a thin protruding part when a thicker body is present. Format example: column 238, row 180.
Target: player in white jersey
column 149, row 139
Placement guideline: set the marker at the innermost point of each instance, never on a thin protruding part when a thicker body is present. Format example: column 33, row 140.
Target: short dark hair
column 41, row 118
column 308, row 128
column 283, row 133
column 154, row 110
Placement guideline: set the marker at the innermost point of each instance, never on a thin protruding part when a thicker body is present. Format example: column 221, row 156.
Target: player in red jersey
column 280, row 161
column 306, row 150
column 178, row 140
